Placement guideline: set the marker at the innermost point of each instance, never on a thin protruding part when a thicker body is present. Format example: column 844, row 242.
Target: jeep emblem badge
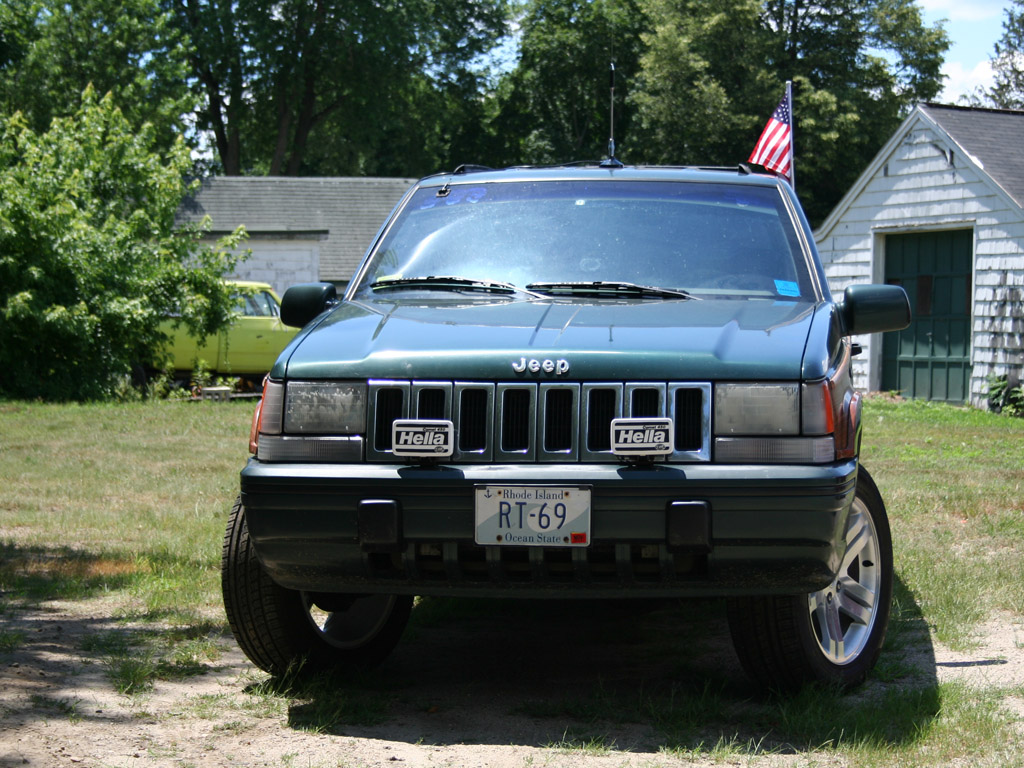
column 422, row 438
column 642, row 437
column 558, row 367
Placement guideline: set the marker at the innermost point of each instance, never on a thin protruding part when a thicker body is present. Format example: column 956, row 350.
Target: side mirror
column 874, row 308
column 303, row 302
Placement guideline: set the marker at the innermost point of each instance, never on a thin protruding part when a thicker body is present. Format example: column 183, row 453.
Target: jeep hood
column 598, row 340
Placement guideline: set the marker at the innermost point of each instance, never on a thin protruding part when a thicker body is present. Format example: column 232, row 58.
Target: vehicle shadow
column 638, row 676
column 635, row 676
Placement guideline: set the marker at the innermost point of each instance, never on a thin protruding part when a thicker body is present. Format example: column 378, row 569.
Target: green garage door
column 931, row 359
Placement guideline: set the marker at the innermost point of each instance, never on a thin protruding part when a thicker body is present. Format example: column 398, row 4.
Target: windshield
column 705, row 239
column 258, row 304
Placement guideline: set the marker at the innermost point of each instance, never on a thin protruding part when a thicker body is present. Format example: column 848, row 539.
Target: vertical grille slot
column 473, row 420
column 515, row 420
column 387, row 408
column 431, row 404
column 601, row 409
column 558, row 420
column 689, row 406
column 688, row 421
column 644, row 403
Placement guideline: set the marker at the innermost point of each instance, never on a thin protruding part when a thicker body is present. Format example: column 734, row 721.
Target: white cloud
column 961, row 81
column 957, row 10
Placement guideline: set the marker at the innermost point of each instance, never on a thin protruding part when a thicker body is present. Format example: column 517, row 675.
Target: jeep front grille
column 517, row 422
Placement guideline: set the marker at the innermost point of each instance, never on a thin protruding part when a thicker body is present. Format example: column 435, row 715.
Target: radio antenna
column 611, row 162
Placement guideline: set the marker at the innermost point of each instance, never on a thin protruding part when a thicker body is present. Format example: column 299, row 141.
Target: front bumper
column 661, row 530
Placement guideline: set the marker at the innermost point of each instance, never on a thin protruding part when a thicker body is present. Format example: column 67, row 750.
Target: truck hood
column 613, row 341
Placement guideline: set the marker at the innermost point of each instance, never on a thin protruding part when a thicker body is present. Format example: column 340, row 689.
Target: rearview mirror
column 874, row 308
column 303, row 302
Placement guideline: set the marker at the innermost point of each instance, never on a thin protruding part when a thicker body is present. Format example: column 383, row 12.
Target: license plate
column 533, row 515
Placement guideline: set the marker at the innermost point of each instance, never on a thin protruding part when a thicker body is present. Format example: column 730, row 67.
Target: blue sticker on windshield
column 787, row 288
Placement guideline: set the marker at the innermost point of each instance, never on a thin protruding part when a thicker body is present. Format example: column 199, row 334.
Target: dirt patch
column 997, row 662
column 471, row 684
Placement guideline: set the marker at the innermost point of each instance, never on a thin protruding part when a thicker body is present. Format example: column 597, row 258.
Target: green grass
column 599, row 745
column 65, row 707
column 126, row 504
column 10, row 640
column 128, row 498
column 953, row 483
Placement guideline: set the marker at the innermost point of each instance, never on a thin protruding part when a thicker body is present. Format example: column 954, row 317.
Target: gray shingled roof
column 344, row 213
column 993, row 137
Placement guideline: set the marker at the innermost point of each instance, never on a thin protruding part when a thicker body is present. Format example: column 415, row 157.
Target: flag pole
column 611, row 116
column 792, row 131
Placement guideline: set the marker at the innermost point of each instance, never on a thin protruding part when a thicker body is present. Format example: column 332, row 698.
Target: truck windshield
column 706, row 239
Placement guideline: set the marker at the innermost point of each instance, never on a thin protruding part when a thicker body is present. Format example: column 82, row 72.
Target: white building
column 301, row 229
column 940, row 210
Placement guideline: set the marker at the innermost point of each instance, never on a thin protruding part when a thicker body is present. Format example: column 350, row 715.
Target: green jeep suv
column 585, row 381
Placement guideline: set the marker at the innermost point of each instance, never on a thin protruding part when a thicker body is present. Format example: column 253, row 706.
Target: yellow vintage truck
column 248, row 347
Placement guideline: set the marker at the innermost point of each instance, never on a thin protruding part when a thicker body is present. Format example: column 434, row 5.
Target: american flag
column 774, row 150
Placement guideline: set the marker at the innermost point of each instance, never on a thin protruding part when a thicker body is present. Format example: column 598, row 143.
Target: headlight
column 324, row 408
column 311, row 421
column 757, row 409
column 774, row 423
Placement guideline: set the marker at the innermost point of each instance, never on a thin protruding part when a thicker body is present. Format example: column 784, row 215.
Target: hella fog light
column 757, row 409
column 325, row 408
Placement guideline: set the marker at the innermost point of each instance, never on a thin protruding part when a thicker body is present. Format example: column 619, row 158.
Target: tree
column 702, row 81
column 281, row 86
column 554, row 106
column 50, row 52
column 1008, row 62
column 90, row 259
column 713, row 71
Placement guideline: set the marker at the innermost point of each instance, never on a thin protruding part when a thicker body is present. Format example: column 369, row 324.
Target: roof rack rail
column 743, row 169
column 543, row 166
column 470, row 168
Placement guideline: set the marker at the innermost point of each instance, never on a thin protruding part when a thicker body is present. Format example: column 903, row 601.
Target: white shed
column 301, row 229
column 940, row 211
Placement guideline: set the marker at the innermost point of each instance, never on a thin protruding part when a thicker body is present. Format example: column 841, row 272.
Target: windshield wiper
column 445, row 282
column 609, row 288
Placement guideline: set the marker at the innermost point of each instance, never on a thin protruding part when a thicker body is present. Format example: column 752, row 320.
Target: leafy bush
column 1004, row 398
column 90, row 257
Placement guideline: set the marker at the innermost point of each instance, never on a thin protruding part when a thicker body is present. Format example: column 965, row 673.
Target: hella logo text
column 648, row 436
column 642, row 437
column 426, row 438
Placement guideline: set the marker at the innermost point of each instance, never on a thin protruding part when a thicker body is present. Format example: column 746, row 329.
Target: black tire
column 283, row 630
column 832, row 637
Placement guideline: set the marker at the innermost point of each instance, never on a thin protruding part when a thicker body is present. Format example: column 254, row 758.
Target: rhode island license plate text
column 537, row 516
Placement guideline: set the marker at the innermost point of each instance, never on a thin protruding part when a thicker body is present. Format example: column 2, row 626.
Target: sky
column 973, row 26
